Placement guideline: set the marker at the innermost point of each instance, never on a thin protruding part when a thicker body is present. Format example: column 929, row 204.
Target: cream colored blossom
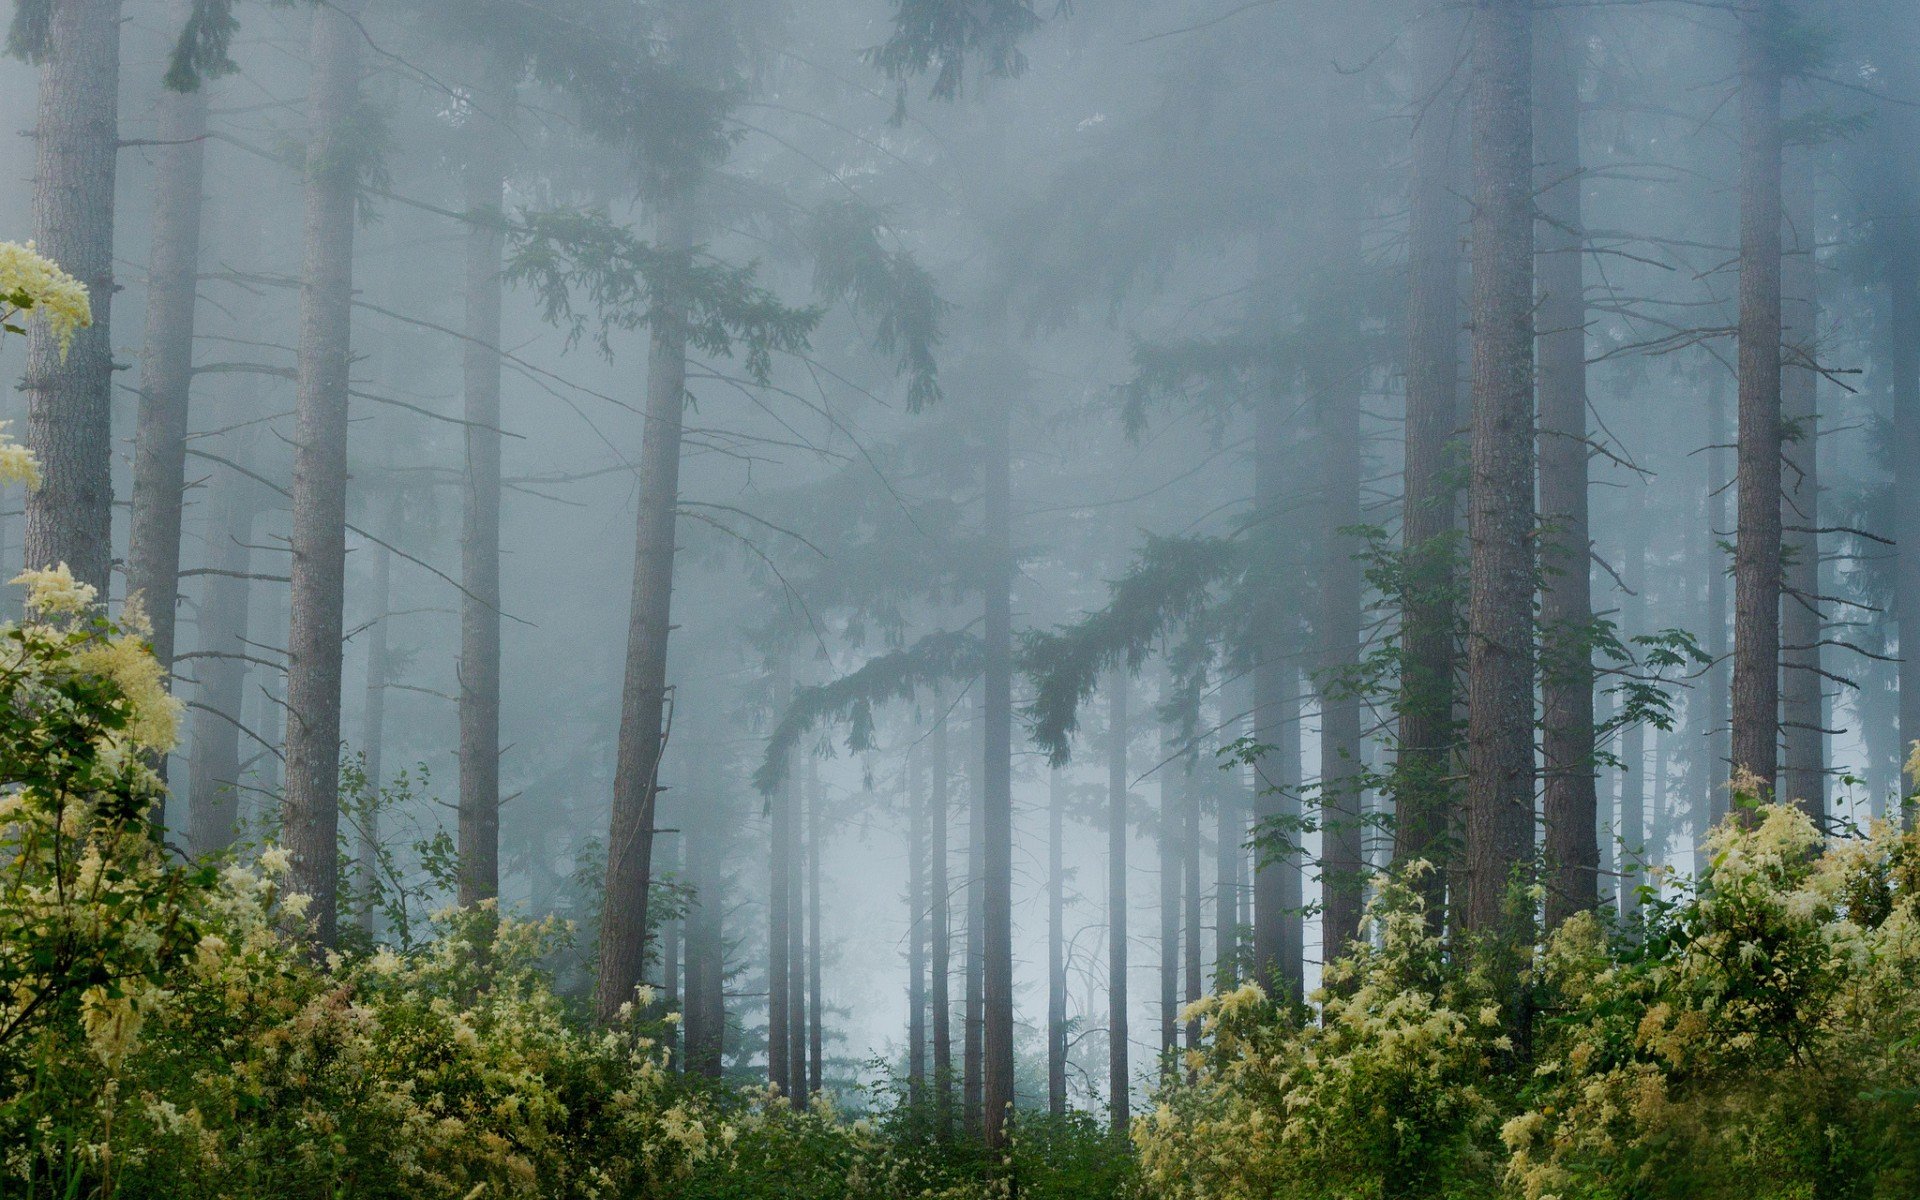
column 54, row 592
column 33, row 287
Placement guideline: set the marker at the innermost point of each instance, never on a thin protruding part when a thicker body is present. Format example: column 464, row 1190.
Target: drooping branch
column 935, row 659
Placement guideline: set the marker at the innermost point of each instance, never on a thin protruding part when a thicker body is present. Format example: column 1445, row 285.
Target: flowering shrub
column 33, row 287
column 1393, row 1093
column 1762, row 1041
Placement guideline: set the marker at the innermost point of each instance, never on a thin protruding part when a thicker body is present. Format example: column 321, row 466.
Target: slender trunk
column 705, row 1029
column 1342, row 825
column 1167, row 845
column 1900, row 244
column 1633, row 739
column 69, row 397
column 816, row 1015
column 1229, row 837
column 643, row 702
column 803, row 799
column 166, row 358
column 213, row 770
column 973, row 1029
column 1056, row 948
column 997, row 824
column 1500, row 749
column 1190, row 901
column 916, row 931
column 779, row 918
column 373, row 733
column 1119, row 1076
column 1756, row 572
column 940, row 918
column 1277, row 933
column 1803, row 778
column 1717, row 691
column 1566, row 592
column 310, row 822
column 484, row 180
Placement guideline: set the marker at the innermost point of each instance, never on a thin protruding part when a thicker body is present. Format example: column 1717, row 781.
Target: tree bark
column 1566, row 592
column 1803, row 778
column 1190, row 900
column 1230, row 836
column 310, row 821
column 213, row 768
column 816, row 1015
column 1425, row 795
column 916, row 932
column 973, row 1029
column 483, row 181
column 797, row 1068
column 1715, row 690
column 940, row 917
column 1056, row 948
column 373, row 734
column 1756, row 640
column 1167, row 846
column 1500, row 744
column 1277, row 885
column 1119, row 1076
column 997, row 821
column 69, row 398
column 166, row 358
column 643, row 704
column 780, row 917
column 1633, row 739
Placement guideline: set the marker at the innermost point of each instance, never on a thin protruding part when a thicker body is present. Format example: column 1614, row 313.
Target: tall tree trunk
column 816, row 1015
column 310, row 821
column 1756, row 571
column 1633, row 739
column 166, row 357
column 1119, row 732
column 1167, row 845
column 1900, row 245
column 1803, row 778
column 213, row 769
column 1337, row 376
column 916, row 931
column 69, row 397
column 1277, row 932
column 1056, row 948
column 1190, row 899
column 1423, row 794
column 803, row 797
column 643, row 701
column 484, row 181
column 997, row 822
column 779, row 918
column 940, row 918
column 698, row 949
column 1566, row 593
column 373, row 735
column 1230, row 837
column 973, row 1032
column 1500, row 747
column 1715, row 691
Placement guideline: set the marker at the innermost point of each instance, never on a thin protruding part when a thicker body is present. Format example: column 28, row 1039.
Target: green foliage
column 1172, row 580
column 27, row 35
column 940, row 36
column 630, row 283
column 202, row 51
column 889, row 286
column 933, row 660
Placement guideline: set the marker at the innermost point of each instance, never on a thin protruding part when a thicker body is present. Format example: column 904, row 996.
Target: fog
column 1057, row 353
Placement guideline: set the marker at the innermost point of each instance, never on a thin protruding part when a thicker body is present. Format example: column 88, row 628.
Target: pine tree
column 1500, row 743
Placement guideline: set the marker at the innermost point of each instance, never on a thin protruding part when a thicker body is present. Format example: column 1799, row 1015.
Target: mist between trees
column 960, row 597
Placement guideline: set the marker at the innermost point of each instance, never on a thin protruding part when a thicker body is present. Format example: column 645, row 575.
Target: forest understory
column 970, row 599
